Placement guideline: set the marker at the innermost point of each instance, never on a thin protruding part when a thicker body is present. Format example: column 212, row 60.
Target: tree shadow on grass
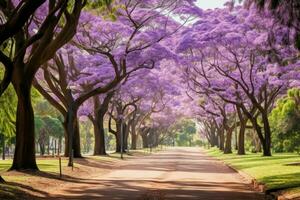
column 283, row 181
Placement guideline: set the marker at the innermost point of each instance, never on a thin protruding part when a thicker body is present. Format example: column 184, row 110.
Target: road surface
column 179, row 173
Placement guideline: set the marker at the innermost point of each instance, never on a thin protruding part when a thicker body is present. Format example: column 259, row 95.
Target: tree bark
column 75, row 136
column 221, row 139
column 100, row 111
column 145, row 141
column 66, row 136
column 241, row 139
column 118, row 136
column 99, row 146
column 3, row 146
column 267, row 132
column 24, row 157
column 76, row 140
column 265, row 139
column 125, row 138
column 228, row 148
column 133, row 136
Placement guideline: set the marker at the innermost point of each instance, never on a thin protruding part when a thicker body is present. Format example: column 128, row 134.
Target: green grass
column 271, row 171
column 46, row 165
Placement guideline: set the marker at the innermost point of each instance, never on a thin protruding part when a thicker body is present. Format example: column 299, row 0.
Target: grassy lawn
column 46, row 165
column 272, row 171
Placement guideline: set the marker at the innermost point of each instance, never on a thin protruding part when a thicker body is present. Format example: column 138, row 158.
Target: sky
column 211, row 4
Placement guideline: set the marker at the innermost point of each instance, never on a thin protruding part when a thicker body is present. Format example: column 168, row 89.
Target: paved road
column 180, row 173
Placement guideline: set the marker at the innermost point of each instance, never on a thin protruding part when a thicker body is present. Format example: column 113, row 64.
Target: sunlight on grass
column 46, row 165
column 272, row 171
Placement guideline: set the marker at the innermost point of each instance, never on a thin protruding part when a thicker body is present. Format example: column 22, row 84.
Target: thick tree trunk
column 66, row 136
column 221, row 139
column 241, row 139
column 75, row 136
column 99, row 146
column 228, row 148
column 76, row 141
column 24, row 157
column 100, row 110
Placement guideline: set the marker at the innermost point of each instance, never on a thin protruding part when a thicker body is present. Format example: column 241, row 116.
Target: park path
column 177, row 173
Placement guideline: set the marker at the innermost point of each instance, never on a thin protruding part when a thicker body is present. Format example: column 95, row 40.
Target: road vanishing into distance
column 178, row 173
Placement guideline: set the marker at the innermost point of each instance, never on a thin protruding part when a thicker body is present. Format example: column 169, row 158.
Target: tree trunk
column 59, row 145
column 267, row 132
column 42, row 149
column 66, row 135
column 133, row 136
column 228, row 148
column 48, row 146
column 256, row 142
column 24, row 157
column 241, row 139
column 3, row 146
column 265, row 139
column 76, row 140
column 236, row 140
column 99, row 146
column 100, row 110
column 125, row 138
column 145, row 141
column 221, row 140
column 75, row 136
column 214, row 140
column 118, row 136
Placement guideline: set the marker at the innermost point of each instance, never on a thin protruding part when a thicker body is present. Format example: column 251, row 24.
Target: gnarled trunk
column 24, row 157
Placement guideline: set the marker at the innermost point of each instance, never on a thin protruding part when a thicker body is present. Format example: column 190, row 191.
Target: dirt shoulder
column 41, row 184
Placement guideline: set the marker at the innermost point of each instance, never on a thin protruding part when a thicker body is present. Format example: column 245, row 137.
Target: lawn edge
column 259, row 186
